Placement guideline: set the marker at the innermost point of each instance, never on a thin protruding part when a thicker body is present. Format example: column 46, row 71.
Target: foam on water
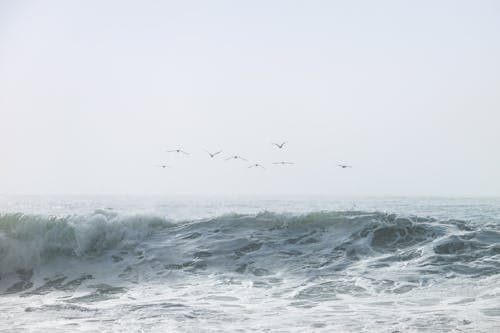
column 344, row 270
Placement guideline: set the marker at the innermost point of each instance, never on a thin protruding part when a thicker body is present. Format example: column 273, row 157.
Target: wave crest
column 329, row 241
column 28, row 240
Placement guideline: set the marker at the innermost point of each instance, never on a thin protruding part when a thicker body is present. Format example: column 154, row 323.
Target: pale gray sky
column 93, row 92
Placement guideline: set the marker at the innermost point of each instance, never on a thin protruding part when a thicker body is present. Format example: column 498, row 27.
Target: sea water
column 152, row 264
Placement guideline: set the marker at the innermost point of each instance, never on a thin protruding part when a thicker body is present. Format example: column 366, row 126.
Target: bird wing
column 220, row 151
column 184, row 152
column 241, row 158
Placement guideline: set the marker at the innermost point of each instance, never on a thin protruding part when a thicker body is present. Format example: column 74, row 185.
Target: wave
column 265, row 244
column 29, row 240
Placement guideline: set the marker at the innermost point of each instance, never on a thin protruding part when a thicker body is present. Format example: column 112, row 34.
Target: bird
column 212, row 155
column 279, row 145
column 343, row 166
column 178, row 151
column 236, row 157
column 283, row 162
column 163, row 166
column 256, row 165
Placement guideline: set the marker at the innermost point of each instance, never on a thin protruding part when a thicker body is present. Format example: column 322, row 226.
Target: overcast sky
column 93, row 92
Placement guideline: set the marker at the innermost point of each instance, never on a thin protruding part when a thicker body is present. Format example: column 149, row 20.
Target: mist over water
column 347, row 265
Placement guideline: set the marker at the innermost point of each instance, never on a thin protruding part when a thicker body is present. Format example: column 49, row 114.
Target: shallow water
column 291, row 265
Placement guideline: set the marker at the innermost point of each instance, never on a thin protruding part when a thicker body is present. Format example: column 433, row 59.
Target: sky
column 92, row 94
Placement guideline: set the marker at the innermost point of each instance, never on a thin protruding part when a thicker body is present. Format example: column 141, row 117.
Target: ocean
column 153, row 264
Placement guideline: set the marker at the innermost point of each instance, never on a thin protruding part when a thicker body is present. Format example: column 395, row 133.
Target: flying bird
column 212, row 155
column 283, row 163
column 178, row 151
column 343, row 166
column 163, row 166
column 279, row 145
column 256, row 165
column 236, row 157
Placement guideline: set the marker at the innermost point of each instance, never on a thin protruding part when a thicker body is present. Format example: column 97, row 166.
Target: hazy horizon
column 92, row 94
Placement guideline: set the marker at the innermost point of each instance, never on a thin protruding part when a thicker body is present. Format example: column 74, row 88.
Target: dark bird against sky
column 279, row 145
column 236, row 157
column 256, row 165
column 212, row 155
column 178, row 151
column 283, row 163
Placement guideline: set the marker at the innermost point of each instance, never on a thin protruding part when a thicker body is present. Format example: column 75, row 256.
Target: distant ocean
column 125, row 264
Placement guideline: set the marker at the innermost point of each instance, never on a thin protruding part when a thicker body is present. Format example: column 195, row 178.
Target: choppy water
column 322, row 265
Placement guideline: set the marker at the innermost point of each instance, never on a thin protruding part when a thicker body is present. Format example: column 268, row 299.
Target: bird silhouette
column 236, row 157
column 279, row 145
column 178, row 151
column 256, row 165
column 214, row 154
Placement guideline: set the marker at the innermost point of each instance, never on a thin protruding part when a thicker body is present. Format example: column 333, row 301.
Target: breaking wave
column 27, row 241
column 257, row 244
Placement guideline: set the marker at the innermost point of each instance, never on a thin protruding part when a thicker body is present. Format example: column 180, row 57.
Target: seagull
column 256, row 165
column 178, row 151
column 163, row 166
column 343, row 166
column 212, row 155
column 283, row 162
column 279, row 145
column 236, row 157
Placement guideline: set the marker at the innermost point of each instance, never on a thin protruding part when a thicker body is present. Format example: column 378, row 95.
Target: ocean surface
column 151, row 264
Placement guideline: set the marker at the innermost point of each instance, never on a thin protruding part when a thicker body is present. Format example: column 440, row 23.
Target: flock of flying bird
column 237, row 157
